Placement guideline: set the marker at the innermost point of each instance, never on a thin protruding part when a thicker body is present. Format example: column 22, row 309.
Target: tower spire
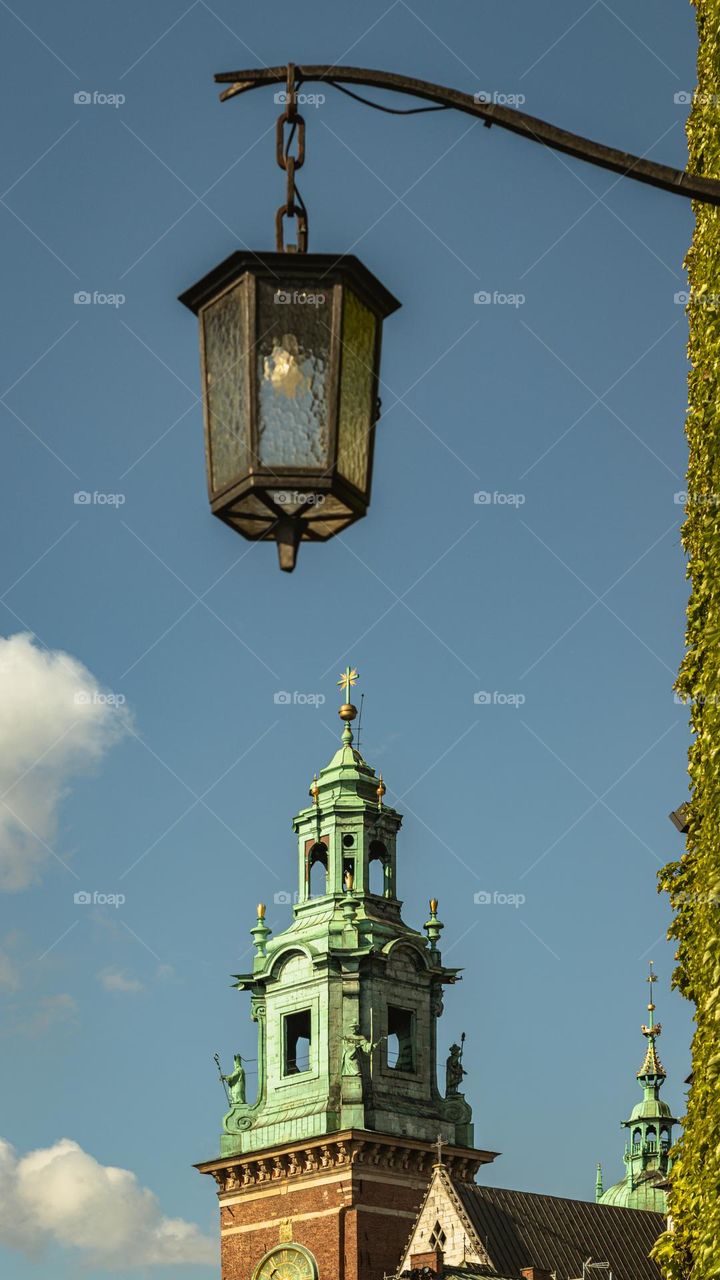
column 652, row 1072
column 649, row 1129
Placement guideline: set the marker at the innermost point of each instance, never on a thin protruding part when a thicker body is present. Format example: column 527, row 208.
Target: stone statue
column 236, row 1081
column 355, row 1045
column 454, row 1070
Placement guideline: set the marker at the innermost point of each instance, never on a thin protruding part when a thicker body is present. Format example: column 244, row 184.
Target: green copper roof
column 645, row 1195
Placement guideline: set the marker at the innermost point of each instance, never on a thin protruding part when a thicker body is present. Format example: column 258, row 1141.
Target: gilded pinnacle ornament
column 348, row 678
column 433, row 928
column 260, row 933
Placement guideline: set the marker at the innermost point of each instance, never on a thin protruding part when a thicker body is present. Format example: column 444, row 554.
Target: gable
column 441, row 1208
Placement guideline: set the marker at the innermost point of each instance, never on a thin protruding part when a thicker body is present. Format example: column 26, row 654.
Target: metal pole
column 677, row 181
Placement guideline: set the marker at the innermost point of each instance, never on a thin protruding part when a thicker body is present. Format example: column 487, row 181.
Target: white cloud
column 61, row 1195
column 55, row 722
column 49, row 1011
column 117, row 980
column 9, row 973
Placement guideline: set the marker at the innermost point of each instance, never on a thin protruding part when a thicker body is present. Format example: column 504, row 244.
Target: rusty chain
column 294, row 206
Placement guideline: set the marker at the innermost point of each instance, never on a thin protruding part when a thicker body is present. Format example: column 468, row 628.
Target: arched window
column 317, row 871
column 637, row 1137
column 651, row 1138
column 664, row 1139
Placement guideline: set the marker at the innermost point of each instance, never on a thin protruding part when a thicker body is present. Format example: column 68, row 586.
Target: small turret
column 647, row 1152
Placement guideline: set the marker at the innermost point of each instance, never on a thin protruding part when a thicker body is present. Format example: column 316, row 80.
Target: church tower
column 647, row 1151
column 321, row 1175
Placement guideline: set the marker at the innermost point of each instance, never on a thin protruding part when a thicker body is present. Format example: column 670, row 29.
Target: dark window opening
column 317, row 878
column 348, row 873
column 438, row 1239
column 401, row 1039
column 376, row 878
column 348, row 840
column 297, row 1037
column 378, row 869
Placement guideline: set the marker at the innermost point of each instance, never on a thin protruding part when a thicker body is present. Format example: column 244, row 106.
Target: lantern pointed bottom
column 288, row 531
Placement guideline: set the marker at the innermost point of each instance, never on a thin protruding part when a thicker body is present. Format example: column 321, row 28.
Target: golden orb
column 347, row 711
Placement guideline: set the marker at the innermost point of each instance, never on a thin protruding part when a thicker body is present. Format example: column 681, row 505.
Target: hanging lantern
column 290, row 356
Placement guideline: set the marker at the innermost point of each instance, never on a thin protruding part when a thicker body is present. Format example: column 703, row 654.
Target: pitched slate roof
column 522, row 1229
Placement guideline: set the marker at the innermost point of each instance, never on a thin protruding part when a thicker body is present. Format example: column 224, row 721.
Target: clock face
column 286, row 1263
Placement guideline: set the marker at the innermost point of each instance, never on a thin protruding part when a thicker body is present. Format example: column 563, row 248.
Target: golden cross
column 348, row 678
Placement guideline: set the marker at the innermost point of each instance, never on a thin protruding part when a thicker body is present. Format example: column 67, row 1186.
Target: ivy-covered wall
column 692, row 1249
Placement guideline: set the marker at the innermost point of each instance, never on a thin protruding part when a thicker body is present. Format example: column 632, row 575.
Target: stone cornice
column 348, row 1149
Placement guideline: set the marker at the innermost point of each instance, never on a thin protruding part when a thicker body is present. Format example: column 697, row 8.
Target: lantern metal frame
column 291, row 272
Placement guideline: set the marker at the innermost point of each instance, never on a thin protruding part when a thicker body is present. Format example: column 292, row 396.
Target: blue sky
column 175, row 784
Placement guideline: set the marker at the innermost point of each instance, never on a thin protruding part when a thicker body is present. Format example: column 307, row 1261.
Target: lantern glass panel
column 356, row 390
column 292, row 363
column 225, row 332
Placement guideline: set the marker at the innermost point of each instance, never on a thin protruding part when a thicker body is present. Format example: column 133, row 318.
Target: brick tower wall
column 350, row 1202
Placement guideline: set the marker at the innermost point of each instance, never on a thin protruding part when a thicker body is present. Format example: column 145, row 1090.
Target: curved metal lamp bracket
column 677, row 181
